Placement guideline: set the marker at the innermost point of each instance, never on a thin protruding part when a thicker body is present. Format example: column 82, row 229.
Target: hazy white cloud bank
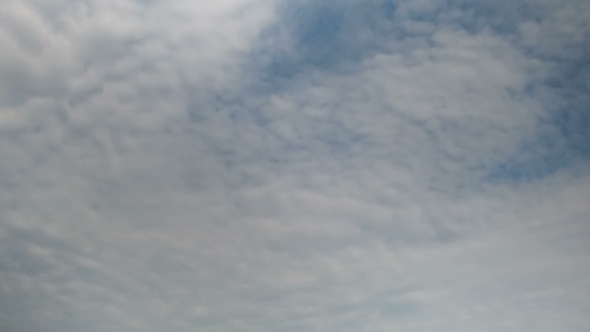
column 250, row 165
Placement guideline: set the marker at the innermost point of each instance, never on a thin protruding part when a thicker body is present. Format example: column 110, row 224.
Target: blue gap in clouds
column 336, row 36
column 323, row 36
column 563, row 140
column 564, row 134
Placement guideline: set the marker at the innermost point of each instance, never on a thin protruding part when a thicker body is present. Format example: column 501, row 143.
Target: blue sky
column 256, row 165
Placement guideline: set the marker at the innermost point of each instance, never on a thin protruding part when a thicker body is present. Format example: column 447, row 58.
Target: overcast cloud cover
column 254, row 165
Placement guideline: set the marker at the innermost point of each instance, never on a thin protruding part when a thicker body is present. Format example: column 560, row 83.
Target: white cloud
column 150, row 181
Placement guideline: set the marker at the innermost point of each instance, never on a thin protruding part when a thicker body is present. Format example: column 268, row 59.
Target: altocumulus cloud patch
column 250, row 165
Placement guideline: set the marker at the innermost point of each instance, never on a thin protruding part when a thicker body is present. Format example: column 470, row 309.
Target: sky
column 305, row 166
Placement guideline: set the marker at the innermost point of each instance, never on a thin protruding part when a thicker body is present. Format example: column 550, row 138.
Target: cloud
column 323, row 166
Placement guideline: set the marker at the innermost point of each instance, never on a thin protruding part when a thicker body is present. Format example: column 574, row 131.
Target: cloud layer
column 248, row 165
